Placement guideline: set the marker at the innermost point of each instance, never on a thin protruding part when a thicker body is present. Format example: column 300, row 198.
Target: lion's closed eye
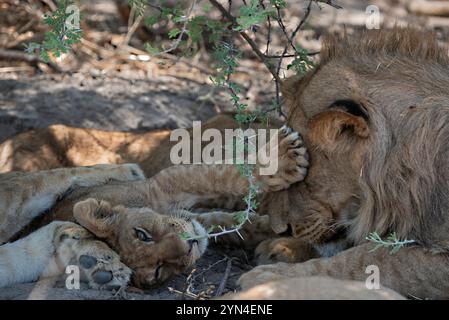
column 143, row 235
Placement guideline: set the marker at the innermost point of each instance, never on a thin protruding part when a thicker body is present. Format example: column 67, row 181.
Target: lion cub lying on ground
column 142, row 220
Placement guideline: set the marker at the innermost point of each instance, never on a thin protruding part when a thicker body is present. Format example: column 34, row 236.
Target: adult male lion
column 375, row 117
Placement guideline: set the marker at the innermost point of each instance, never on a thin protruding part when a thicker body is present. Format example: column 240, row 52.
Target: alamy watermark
column 373, row 19
column 73, row 17
column 238, row 146
column 72, row 282
column 372, row 282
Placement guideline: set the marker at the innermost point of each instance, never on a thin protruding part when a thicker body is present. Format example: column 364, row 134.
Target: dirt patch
column 109, row 103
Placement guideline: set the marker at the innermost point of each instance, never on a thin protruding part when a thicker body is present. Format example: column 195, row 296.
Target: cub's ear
column 337, row 130
column 96, row 216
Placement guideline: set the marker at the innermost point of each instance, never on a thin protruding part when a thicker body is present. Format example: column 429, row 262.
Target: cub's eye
column 142, row 235
column 350, row 106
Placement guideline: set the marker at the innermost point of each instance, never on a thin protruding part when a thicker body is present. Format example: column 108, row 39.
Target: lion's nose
column 102, row 277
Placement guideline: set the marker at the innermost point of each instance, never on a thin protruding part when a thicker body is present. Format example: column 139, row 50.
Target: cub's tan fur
column 64, row 146
column 171, row 191
column 49, row 250
column 153, row 207
column 25, row 196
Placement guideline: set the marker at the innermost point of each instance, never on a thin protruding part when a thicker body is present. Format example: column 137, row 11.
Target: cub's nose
column 102, row 276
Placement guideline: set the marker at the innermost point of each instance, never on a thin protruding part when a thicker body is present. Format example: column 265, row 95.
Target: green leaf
column 32, row 47
column 185, row 236
column 178, row 15
column 253, row 14
column 60, row 38
column 174, row 33
column 151, row 50
column 207, row 7
column 280, row 3
column 139, row 6
column 152, row 20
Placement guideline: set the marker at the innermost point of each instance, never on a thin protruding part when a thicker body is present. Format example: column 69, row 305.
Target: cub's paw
column 102, row 173
column 286, row 249
column 101, row 267
column 293, row 161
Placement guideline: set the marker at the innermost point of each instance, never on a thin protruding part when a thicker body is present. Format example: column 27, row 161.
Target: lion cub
column 49, row 250
column 141, row 220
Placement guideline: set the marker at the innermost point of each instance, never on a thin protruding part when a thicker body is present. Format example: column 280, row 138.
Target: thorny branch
column 290, row 42
column 265, row 58
column 184, row 30
column 247, row 38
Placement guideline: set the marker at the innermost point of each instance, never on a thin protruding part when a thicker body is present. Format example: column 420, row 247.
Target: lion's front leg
column 25, row 195
column 413, row 271
column 183, row 186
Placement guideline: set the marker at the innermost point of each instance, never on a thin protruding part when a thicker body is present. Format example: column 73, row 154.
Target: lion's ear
column 96, row 216
column 337, row 130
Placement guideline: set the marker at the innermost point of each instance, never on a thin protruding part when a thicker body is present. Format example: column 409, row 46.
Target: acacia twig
column 247, row 38
column 184, row 30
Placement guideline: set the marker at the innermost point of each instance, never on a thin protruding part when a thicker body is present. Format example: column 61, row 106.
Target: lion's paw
column 293, row 161
column 286, row 249
column 102, row 267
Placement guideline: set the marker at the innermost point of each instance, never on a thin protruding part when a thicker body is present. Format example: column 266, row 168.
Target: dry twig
column 222, row 285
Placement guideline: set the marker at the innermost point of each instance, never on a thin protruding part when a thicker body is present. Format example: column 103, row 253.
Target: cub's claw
column 293, row 161
column 290, row 250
